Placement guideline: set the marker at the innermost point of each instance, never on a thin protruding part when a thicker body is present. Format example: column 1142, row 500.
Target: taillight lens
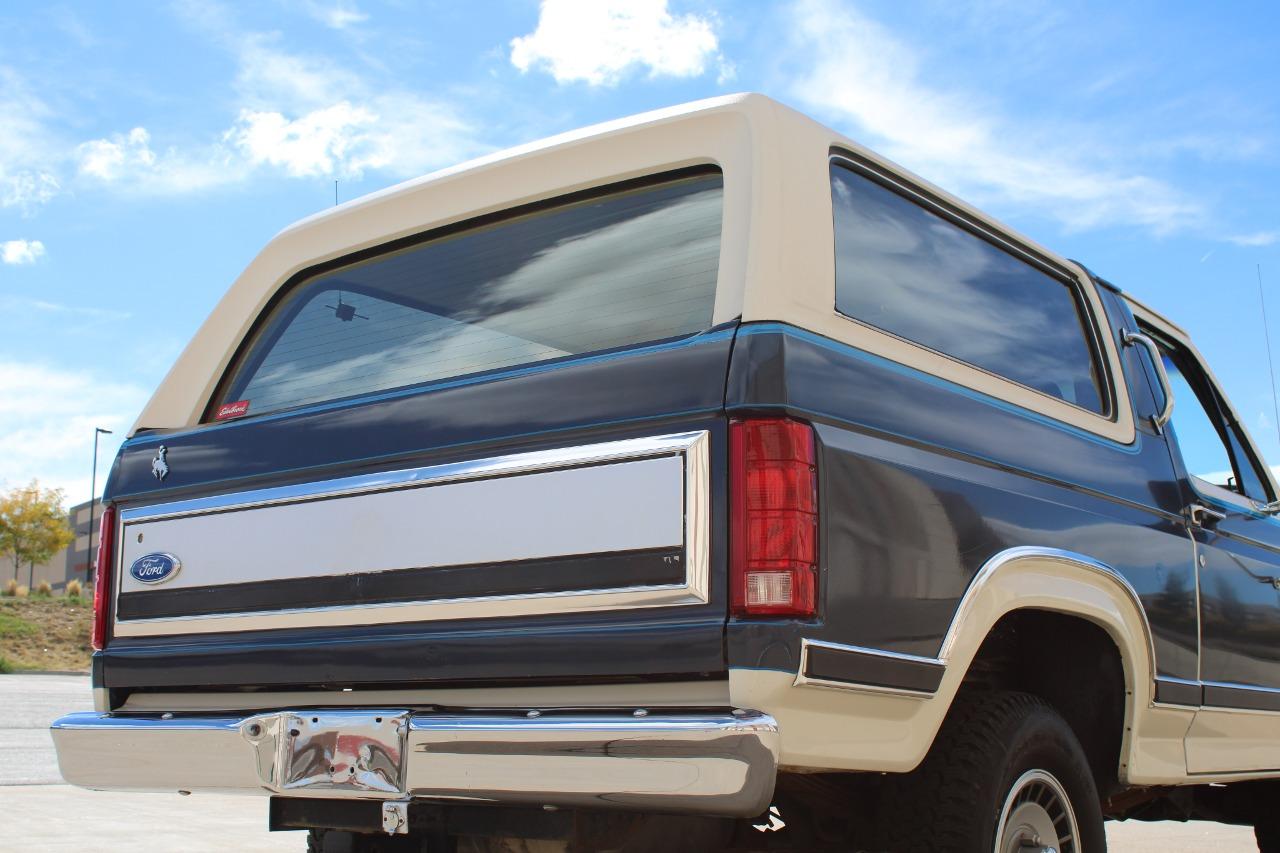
column 773, row 490
column 102, row 578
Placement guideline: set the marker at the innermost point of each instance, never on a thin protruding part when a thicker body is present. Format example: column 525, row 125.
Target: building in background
column 74, row 561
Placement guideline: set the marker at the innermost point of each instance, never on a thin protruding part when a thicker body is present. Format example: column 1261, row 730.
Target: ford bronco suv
column 697, row 481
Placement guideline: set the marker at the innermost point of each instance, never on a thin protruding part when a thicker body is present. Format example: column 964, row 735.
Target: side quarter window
column 906, row 269
column 1213, row 447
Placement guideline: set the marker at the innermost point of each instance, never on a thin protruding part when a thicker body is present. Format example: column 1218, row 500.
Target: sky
column 148, row 150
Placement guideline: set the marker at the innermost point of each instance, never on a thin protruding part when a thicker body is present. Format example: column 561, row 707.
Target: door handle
column 1199, row 512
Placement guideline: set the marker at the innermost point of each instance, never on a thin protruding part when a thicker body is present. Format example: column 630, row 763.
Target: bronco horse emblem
column 159, row 467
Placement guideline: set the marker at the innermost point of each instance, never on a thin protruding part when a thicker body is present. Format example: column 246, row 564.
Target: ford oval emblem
column 155, row 568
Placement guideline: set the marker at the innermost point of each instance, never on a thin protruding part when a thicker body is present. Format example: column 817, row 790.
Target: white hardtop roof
column 776, row 248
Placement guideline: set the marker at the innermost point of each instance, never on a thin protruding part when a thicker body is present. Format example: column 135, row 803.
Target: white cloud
column 335, row 15
column 303, row 116
column 271, row 78
column 309, row 117
column 81, row 315
column 1257, row 239
column 128, row 161
column 27, row 189
column 318, row 143
column 47, row 416
column 859, row 73
column 21, row 251
column 599, row 41
column 108, row 159
column 28, row 158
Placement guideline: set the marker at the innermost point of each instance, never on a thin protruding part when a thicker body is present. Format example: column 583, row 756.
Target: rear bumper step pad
column 692, row 763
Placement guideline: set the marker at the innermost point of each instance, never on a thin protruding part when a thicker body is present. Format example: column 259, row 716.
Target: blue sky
column 148, row 150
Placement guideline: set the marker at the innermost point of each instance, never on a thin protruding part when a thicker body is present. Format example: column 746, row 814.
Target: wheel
column 1005, row 775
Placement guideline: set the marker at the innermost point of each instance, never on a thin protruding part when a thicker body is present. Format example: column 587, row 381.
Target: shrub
column 10, row 588
column 20, row 591
column 5, row 666
column 43, row 590
column 74, row 589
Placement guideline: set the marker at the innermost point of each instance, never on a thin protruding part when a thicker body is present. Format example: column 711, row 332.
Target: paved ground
column 37, row 812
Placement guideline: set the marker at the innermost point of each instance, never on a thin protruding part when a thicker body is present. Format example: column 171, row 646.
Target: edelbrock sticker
column 155, row 568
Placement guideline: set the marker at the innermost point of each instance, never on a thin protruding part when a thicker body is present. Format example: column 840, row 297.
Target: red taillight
column 102, row 578
column 773, row 490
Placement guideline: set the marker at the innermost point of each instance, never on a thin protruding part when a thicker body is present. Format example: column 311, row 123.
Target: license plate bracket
column 343, row 752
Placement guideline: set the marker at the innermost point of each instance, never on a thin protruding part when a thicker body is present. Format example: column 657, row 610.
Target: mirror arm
column 1159, row 419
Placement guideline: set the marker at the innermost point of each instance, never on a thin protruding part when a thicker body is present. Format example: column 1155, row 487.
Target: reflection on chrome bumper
column 698, row 763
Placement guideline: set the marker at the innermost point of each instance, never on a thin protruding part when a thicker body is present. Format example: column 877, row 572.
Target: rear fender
column 845, row 727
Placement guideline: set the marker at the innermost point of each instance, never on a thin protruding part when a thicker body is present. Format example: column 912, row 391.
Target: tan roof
column 776, row 255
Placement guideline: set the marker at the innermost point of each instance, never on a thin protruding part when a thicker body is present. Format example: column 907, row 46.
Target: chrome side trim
column 675, row 761
column 803, row 680
column 692, row 447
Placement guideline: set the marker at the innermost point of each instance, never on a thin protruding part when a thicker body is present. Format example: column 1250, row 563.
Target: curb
column 83, row 672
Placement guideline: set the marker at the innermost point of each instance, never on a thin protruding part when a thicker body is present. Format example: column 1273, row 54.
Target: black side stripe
column 583, row 572
column 1240, row 697
column 856, row 667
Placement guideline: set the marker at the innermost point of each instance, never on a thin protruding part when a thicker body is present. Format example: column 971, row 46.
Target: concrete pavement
column 38, row 812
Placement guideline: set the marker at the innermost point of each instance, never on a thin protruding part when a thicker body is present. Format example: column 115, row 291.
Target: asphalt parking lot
column 39, row 812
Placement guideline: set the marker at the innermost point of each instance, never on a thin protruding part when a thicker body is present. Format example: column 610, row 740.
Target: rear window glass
column 616, row 269
column 911, row 272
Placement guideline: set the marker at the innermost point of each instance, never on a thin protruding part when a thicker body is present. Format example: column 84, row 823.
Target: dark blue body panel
column 923, row 481
column 667, row 388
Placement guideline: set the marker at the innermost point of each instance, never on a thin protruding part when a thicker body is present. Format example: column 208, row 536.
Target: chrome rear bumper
column 694, row 763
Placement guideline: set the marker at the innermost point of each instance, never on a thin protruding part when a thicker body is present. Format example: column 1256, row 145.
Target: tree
column 33, row 526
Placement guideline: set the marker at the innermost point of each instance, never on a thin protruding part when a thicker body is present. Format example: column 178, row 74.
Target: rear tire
column 1004, row 770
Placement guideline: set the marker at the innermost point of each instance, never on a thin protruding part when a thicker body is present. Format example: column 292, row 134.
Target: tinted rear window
column 907, row 270
column 613, row 270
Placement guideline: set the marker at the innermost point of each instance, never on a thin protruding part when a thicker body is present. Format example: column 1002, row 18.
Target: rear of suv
column 701, row 481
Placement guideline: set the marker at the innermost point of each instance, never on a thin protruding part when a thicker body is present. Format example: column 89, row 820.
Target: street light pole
column 93, row 498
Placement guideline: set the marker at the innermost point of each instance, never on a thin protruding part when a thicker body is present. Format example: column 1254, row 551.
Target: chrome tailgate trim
column 140, row 530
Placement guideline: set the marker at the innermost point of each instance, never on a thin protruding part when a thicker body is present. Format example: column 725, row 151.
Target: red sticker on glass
column 232, row 410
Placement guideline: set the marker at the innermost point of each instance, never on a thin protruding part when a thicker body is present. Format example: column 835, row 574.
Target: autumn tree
column 33, row 526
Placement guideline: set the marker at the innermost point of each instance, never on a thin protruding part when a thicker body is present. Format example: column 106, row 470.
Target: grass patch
column 14, row 626
column 44, row 634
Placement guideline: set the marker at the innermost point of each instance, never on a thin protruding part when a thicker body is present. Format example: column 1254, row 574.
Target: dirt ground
column 49, row 634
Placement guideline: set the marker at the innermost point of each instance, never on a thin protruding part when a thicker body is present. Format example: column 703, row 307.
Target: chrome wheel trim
column 1037, row 817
